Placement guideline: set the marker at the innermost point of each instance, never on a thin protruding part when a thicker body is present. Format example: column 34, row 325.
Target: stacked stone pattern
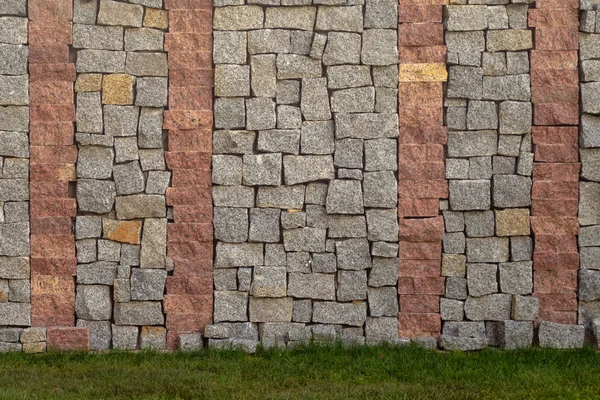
column 189, row 298
column 304, row 172
column 122, row 178
column 487, row 247
column 555, row 97
column 15, row 308
column 53, row 157
column 422, row 183
column 589, row 181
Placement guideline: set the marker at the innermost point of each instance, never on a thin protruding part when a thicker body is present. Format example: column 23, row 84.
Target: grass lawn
column 305, row 373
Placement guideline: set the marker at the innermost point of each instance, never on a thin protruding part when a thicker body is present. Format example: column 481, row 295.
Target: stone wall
column 304, row 164
column 589, row 186
column 181, row 173
column 15, row 286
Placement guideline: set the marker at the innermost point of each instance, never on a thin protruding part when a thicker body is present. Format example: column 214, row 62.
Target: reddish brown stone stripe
column 53, row 157
column 189, row 302
column 421, row 181
column 555, row 192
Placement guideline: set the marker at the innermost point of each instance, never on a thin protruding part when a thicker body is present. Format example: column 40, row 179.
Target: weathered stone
column 190, row 342
column 481, row 279
column 312, row 286
column 381, row 14
column 304, row 239
column 285, row 197
column 302, row 18
column 14, row 7
column 341, row 226
column 342, row 48
column 302, row 311
column 140, row 206
column 510, row 87
column 451, row 310
column 345, row 19
column 116, row 13
column 231, row 224
column 120, row 120
column 300, row 169
column 559, row 336
column 293, row 66
column 521, row 248
column 269, row 282
column 383, row 301
column 344, row 197
column 465, row 82
column 238, row 255
column 524, row 308
column 93, row 302
column 512, row 222
column 383, row 225
column 483, row 250
column 146, row 64
column 348, row 76
column 288, row 117
column 239, row 18
column 515, row 117
column 366, row 126
column 144, row 39
column 380, row 189
column 260, row 114
column 452, row 343
column 147, row 284
column 298, row 262
column 271, row 309
column 470, row 195
column 509, row 40
column 493, row 307
column 89, row 113
column 456, row 288
column 466, row 18
column 95, row 196
column 379, row 47
column 354, row 314
column 353, row 254
column 512, row 191
column 14, row 90
column 100, row 333
column 101, row 61
column 472, row 144
column 97, row 37
column 152, row 159
column 153, row 338
column 479, row 223
column 293, row 219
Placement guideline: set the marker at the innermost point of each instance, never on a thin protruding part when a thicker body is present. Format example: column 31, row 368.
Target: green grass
column 305, row 373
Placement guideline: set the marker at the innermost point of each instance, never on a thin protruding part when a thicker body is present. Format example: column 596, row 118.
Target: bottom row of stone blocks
column 247, row 336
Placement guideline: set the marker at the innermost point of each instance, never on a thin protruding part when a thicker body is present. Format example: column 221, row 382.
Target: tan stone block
column 454, row 265
column 117, row 89
column 88, row 83
column 156, row 18
column 434, row 72
column 122, row 231
column 38, row 347
column 513, row 222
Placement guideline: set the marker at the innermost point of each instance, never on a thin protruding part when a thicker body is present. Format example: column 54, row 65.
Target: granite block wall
column 185, row 173
column 304, row 168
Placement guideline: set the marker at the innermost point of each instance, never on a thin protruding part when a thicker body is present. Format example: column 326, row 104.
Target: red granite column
column 555, row 97
column 422, row 180
column 189, row 301
column 53, row 157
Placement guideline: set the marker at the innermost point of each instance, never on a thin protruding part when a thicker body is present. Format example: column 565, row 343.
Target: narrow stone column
column 487, row 242
column 555, row 97
column 422, row 183
column 189, row 299
column 15, row 308
column 589, row 181
column 53, row 157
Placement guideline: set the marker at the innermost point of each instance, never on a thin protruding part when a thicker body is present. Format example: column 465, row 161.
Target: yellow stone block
column 434, row 72
column 156, row 18
column 37, row 347
column 88, row 83
column 513, row 222
column 117, row 89
column 122, row 231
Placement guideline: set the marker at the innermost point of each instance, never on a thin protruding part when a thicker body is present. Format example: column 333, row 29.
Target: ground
column 305, row 373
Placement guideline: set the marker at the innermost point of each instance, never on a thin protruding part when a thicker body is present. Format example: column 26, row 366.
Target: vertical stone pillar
column 53, row 157
column 555, row 97
column 487, row 258
column 189, row 298
column 15, row 309
column 122, row 177
column 422, row 183
column 589, row 181
column 304, row 167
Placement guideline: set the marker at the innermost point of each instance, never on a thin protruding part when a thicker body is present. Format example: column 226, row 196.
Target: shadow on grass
column 313, row 372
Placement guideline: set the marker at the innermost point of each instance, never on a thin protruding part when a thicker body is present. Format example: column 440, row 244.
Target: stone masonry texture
column 306, row 124
column 422, row 184
column 487, row 247
column 185, row 173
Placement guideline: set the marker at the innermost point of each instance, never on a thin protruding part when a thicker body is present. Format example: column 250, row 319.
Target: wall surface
column 181, row 173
